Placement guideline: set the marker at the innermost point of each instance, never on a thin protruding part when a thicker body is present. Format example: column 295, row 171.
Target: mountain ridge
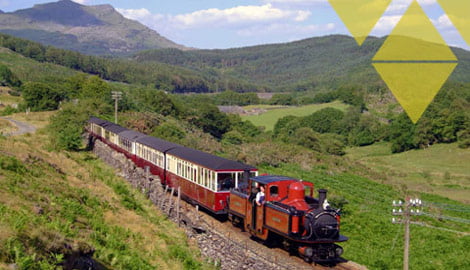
column 329, row 61
column 96, row 30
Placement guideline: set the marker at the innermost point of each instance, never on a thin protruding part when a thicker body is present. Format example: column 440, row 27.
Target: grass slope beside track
column 55, row 203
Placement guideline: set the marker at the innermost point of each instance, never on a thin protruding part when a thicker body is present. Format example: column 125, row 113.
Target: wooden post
column 170, row 201
column 407, row 236
column 178, row 206
column 162, row 199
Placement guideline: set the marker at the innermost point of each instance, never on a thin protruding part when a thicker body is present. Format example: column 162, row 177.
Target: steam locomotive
column 289, row 213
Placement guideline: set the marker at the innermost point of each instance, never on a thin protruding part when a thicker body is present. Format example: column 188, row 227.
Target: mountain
column 320, row 62
column 96, row 30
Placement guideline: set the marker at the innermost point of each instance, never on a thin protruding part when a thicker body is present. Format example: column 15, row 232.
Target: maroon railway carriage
column 290, row 213
column 204, row 178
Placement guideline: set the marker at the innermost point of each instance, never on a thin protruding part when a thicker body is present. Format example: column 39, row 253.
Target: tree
column 40, row 96
column 401, row 133
column 282, row 99
column 325, row 120
column 67, row 126
column 155, row 101
column 308, row 138
column 211, row 120
column 95, row 88
column 8, row 78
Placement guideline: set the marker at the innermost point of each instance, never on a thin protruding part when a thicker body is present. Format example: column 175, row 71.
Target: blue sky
column 236, row 23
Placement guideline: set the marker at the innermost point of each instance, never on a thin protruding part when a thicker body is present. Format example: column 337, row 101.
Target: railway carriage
column 127, row 141
column 205, row 178
column 151, row 152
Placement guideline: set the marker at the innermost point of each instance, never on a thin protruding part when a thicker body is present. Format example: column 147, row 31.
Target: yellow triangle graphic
column 459, row 13
column 415, row 39
column 360, row 16
column 415, row 84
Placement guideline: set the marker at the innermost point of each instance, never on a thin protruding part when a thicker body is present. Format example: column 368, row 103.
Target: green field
column 442, row 169
column 269, row 118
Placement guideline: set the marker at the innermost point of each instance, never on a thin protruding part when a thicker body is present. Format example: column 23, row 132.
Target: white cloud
column 294, row 31
column 83, row 2
column 231, row 17
column 237, row 15
column 443, row 22
column 304, row 2
column 135, row 14
column 385, row 25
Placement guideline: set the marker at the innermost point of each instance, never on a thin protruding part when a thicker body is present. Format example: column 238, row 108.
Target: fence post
column 162, row 199
column 178, row 206
column 170, row 201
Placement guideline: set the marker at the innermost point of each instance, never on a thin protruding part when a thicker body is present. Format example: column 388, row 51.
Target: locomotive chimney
column 321, row 196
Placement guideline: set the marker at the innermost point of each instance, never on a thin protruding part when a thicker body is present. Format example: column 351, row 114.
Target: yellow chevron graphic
column 360, row 16
column 415, row 85
column 415, row 39
column 459, row 13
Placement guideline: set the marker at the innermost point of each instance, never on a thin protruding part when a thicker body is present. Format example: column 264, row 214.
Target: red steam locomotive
column 289, row 213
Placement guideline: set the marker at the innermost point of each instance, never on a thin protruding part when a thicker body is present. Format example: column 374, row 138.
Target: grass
column 269, row 118
column 6, row 127
column 84, row 206
column 366, row 219
column 7, row 99
column 442, row 169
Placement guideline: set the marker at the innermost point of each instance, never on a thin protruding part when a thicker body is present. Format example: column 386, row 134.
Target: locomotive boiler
column 290, row 215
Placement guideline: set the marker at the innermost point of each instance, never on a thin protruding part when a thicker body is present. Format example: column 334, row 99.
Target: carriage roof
column 157, row 144
column 131, row 135
column 208, row 160
column 268, row 179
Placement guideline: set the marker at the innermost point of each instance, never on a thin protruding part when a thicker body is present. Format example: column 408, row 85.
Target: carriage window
column 225, row 181
column 274, row 191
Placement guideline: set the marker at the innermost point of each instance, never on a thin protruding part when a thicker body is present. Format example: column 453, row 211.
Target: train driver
column 260, row 196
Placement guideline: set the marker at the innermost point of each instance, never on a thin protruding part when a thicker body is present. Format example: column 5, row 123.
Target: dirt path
column 23, row 127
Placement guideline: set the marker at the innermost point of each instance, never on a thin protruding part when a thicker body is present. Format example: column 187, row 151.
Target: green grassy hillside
column 269, row 118
column 56, row 205
column 442, row 169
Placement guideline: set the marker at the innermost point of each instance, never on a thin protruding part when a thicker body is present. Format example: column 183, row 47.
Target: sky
column 210, row 24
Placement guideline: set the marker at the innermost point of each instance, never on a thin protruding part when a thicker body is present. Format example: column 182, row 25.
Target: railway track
column 219, row 241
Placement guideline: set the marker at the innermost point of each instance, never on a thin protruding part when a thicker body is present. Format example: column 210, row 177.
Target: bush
column 464, row 138
column 67, row 126
column 40, row 96
column 308, row 138
column 325, row 120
